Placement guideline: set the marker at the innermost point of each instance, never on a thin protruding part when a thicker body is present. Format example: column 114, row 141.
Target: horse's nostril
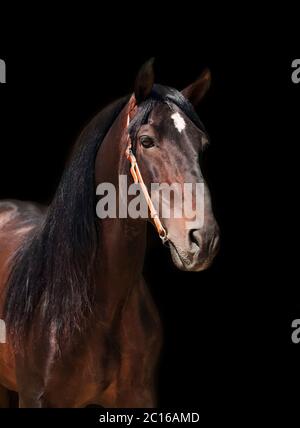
column 195, row 237
column 202, row 243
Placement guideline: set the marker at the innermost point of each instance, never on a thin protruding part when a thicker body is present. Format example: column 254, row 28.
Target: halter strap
column 137, row 178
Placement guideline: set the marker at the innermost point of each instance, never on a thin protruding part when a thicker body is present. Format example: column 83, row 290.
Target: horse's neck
column 122, row 241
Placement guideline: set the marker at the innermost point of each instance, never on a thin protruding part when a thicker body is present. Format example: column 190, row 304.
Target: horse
column 81, row 325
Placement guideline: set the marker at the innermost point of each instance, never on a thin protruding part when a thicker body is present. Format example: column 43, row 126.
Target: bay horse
column 81, row 326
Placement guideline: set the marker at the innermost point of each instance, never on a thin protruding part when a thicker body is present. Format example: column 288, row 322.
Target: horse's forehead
column 169, row 118
column 175, row 126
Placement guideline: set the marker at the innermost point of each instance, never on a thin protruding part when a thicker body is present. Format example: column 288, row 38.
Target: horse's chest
column 140, row 328
column 139, row 343
column 116, row 362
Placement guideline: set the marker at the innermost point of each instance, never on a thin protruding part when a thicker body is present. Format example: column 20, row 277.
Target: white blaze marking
column 178, row 121
column 23, row 230
column 9, row 213
column 2, row 332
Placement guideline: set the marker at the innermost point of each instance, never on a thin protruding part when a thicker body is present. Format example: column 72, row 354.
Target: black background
column 227, row 330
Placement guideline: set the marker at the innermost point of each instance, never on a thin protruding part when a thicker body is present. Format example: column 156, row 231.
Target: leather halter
column 138, row 179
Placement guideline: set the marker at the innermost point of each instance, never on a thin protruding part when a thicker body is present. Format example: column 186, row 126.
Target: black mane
column 53, row 269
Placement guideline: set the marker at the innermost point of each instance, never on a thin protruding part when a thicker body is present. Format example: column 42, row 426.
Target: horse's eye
column 146, row 141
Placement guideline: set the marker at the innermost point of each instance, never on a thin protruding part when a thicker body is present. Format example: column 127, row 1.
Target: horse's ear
column 144, row 81
column 196, row 91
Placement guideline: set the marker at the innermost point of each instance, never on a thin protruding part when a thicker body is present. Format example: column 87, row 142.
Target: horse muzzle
column 199, row 252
